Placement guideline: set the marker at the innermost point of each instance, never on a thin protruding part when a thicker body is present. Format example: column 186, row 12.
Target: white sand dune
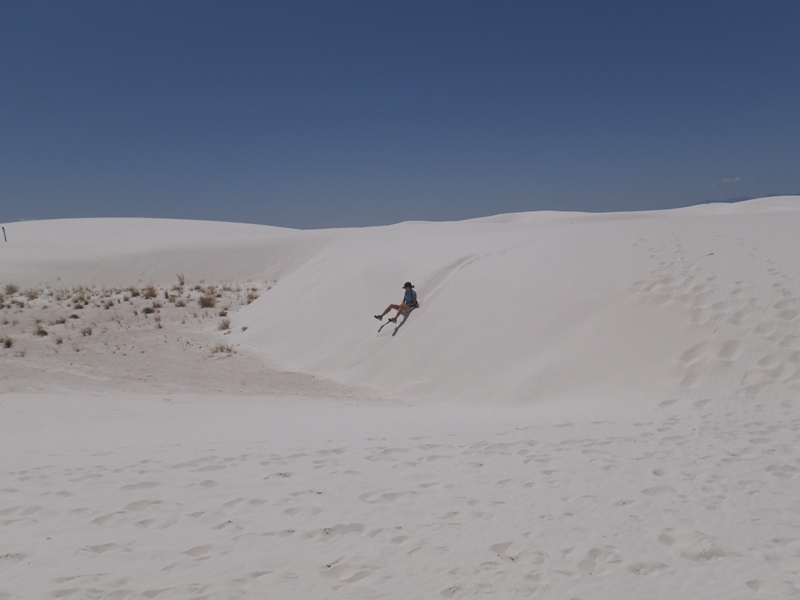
column 584, row 406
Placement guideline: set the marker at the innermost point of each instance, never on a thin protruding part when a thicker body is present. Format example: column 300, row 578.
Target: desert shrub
column 252, row 296
column 59, row 340
column 148, row 310
column 86, row 331
column 11, row 289
column 180, row 302
column 32, row 294
column 40, row 330
column 208, row 301
column 134, row 292
column 150, row 292
column 80, row 298
column 219, row 348
column 7, row 342
column 181, row 279
column 225, row 324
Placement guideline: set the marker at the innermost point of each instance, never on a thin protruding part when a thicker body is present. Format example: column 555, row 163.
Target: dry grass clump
column 223, row 348
column 81, row 297
column 11, row 289
column 225, row 325
column 7, row 342
column 208, row 301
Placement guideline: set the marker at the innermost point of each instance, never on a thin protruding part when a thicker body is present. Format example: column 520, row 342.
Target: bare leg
column 388, row 308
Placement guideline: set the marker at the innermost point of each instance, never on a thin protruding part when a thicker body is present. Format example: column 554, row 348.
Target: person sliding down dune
column 410, row 302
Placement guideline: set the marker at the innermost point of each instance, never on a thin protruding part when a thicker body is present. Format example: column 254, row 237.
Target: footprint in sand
column 599, row 560
column 140, row 485
column 199, row 551
column 102, row 548
column 141, row 505
column 693, row 353
column 12, row 558
column 728, row 349
column 783, row 471
column 302, row 511
column 774, row 589
column 342, row 529
column 694, row 545
column 646, row 568
column 379, row 497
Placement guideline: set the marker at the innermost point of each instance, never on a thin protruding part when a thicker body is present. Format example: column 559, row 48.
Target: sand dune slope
column 701, row 302
column 544, row 308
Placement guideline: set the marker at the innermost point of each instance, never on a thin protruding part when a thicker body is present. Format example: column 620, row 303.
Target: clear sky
column 327, row 113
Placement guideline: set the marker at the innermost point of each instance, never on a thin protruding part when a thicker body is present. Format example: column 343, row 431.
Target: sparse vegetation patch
column 118, row 321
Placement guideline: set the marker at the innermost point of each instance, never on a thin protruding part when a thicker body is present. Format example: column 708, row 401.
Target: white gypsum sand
column 584, row 406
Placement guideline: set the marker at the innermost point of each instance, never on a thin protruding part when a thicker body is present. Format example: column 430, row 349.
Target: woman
column 410, row 302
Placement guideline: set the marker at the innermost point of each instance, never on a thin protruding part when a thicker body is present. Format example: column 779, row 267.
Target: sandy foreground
column 169, row 454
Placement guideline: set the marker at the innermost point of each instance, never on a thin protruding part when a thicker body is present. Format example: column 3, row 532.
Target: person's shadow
column 400, row 322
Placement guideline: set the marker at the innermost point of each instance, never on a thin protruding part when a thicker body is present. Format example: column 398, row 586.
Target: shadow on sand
column 400, row 322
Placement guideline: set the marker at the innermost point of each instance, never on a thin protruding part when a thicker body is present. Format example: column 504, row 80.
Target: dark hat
column 407, row 284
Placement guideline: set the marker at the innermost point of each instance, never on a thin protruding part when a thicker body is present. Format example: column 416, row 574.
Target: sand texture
column 583, row 407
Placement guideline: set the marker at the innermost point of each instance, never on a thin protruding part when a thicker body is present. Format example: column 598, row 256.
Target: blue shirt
column 410, row 298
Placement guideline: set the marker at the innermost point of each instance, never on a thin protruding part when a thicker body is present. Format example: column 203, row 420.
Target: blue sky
column 328, row 113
